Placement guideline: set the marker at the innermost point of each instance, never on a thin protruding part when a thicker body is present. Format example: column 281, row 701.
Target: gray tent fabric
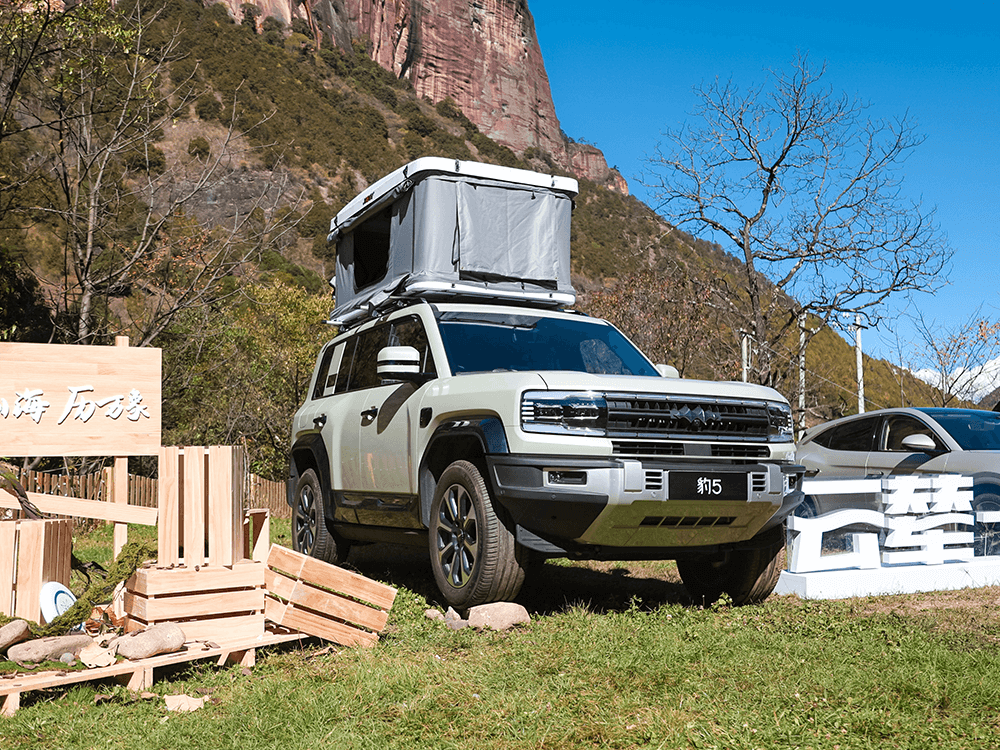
column 453, row 234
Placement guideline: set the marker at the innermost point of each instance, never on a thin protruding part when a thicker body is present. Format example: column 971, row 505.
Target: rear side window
column 856, row 435
column 326, row 380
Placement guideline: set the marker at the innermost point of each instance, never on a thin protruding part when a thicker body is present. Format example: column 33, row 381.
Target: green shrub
column 199, row 148
column 207, row 107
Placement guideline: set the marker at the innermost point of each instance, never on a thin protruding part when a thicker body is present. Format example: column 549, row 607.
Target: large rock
column 44, row 649
column 164, row 638
column 483, row 54
column 13, row 632
column 498, row 616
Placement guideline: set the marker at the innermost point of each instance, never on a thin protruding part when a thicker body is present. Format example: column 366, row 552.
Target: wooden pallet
column 138, row 675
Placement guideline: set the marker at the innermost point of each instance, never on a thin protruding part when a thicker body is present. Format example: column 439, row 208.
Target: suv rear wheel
column 747, row 575
column 474, row 555
column 310, row 536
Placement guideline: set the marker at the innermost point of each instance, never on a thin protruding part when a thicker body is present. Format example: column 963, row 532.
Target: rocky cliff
column 482, row 53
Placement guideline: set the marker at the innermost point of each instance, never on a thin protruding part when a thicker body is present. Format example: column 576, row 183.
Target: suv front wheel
column 474, row 555
column 310, row 536
column 747, row 575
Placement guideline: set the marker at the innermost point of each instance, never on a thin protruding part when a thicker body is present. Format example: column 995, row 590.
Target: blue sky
column 623, row 73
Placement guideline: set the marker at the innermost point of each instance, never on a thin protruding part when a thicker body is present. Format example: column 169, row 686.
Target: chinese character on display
column 30, row 403
column 114, row 404
column 4, row 408
column 135, row 409
column 922, row 515
column 85, row 407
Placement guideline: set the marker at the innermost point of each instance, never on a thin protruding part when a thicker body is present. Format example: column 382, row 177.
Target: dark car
column 908, row 441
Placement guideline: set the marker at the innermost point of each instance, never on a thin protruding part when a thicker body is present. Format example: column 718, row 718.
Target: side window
column 410, row 332
column 326, row 380
column 364, row 372
column 346, row 364
column 371, row 249
column 855, row 435
column 898, row 427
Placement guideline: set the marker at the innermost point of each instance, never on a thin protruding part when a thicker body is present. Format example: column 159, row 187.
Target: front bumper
column 583, row 502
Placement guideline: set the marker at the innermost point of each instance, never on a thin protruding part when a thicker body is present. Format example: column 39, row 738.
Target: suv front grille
column 634, row 448
column 646, row 415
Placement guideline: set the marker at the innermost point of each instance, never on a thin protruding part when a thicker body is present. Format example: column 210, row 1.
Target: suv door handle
column 320, row 420
column 370, row 413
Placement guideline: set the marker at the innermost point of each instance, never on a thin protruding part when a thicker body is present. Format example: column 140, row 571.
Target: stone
column 43, row 649
column 457, row 624
column 498, row 616
column 13, row 632
column 451, row 615
column 165, row 638
column 433, row 614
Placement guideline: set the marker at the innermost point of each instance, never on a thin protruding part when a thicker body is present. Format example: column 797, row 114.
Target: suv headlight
column 779, row 422
column 564, row 412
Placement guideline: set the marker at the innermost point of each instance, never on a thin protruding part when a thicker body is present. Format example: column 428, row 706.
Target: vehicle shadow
column 549, row 588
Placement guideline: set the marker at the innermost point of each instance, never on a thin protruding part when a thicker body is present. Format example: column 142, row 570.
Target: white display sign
column 920, row 538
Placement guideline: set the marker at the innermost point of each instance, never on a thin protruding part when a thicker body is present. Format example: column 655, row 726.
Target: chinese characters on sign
column 925, row 520
column 31, row 404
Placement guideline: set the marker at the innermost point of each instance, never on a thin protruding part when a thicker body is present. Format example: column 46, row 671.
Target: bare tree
column 808, row 189
column 960, row 356
column 135, row 250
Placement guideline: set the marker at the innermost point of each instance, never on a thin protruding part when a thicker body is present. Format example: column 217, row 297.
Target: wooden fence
column 142, row 491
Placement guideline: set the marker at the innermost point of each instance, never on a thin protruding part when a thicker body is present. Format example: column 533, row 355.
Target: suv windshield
column 972, row 429
column 491, row 342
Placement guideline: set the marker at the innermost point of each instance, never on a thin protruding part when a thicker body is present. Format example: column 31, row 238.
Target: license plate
column 697, row 485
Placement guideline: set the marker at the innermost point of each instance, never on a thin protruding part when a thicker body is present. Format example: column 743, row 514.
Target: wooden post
column 119, row 491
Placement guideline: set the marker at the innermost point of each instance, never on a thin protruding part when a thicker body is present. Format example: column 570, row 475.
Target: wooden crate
column 32, row 553
column 223, row 603
column 320, row 599
column 201, row 505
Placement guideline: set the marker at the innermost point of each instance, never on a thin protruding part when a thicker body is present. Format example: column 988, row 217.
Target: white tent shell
column 443, row 229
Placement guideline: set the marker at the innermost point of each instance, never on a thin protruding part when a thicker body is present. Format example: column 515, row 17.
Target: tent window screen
column 371, row 249
column 507, row 234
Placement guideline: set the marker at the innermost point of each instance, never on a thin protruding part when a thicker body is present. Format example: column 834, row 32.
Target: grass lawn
column 614, row 657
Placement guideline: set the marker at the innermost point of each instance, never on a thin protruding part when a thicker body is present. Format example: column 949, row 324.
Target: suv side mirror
column 668, row 371
column 920, row 443
column 400, row 363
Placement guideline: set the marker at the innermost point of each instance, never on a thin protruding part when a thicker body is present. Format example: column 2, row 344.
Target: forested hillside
column 169, row 174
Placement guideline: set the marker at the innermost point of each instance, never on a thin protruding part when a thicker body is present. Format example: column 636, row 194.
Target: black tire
column 474, row 554
column 747, row 575
column 310, row 535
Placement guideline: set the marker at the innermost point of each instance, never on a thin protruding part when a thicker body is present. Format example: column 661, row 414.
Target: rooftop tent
column 439, row 228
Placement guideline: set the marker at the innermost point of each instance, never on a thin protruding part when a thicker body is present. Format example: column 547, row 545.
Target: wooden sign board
column 63, row 400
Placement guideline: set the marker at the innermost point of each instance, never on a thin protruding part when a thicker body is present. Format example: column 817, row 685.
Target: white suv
column 494, row 432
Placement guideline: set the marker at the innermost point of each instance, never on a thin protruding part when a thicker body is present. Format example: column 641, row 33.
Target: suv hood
column 575, row 381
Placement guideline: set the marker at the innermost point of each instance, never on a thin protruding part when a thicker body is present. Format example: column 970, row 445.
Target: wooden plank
column 8, row 559
column 193, row 483
column 185, row 606
column 239, row 475
column 257, row 539
column 160, row 581
column 119, row 496
column 64, row 428
column 168, row 543
column 313, row 624
column 223, row 518
column 30, row 548
column 80, row 508
column 58, row 547
column 302, row 594
column 331, row 577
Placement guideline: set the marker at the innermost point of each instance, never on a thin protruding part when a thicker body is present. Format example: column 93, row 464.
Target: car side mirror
column 920, row 443
column 668, row 371
column 400, row 363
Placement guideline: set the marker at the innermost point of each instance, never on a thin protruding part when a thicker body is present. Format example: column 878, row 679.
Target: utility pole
column 861, row 371
column 802, row 373
column 745, row 353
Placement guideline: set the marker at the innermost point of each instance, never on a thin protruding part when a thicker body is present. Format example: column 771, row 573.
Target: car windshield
column 971, row 429
column 494, row 342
